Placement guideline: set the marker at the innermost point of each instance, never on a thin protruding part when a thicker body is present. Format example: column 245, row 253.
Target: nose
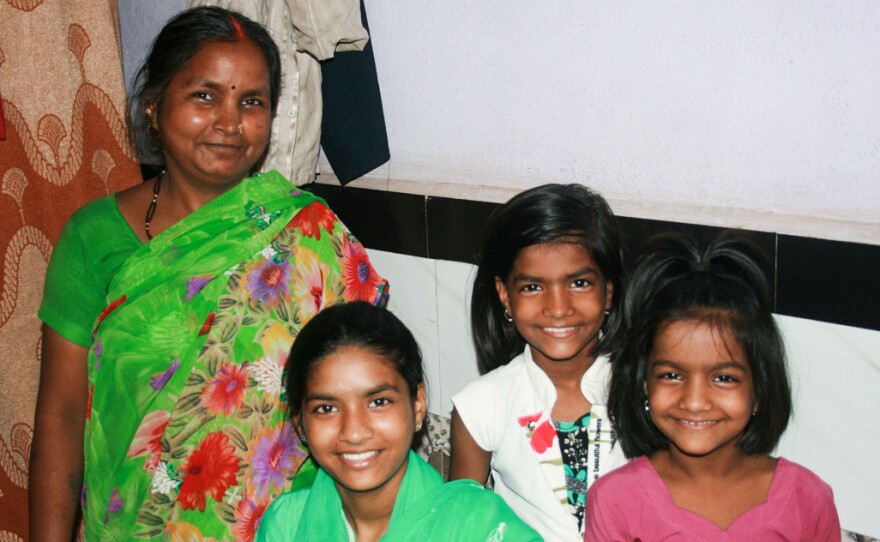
column 355, row 427
column 558, row 303
column 228, row 118
column 695, row 396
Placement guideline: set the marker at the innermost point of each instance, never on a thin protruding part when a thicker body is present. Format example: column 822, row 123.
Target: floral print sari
column 186, row 437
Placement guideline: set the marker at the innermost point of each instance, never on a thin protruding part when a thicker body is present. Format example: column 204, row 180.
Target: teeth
column 688, row 422
column 359, row 457
column 559, row 329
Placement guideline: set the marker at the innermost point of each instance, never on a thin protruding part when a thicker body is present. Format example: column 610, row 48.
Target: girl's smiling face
column 699, row 388
column 359, row 420
column 558, row 298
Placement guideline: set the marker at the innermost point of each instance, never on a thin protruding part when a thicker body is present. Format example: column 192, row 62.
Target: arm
column 56, row 468
column 468, row 459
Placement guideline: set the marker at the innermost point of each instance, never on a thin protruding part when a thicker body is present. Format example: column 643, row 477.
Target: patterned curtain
column 66, row 143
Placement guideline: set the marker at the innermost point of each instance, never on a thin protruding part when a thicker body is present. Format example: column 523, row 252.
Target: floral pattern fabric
column 574, row 443
column 186, row 435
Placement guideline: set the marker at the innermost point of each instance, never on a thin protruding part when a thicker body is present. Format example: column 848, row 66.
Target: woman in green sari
column 357, row 397
column 170, row 307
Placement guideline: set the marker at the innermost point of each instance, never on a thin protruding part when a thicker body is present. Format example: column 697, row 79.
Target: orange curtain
column 66, row 143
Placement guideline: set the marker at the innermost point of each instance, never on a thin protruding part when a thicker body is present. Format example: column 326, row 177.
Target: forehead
column 235, row 62
column 353, row 370
column 550, row 259
column 697, row 343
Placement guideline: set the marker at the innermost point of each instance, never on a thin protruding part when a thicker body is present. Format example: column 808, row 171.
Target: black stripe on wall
column 829, row 281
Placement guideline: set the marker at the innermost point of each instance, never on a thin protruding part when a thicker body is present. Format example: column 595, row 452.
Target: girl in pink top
column 700, row 397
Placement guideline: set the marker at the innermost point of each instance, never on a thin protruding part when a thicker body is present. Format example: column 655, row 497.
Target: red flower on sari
column 361, row 280
column 247, row 519
column 540, row 435
column 148, row 438
column 312, row 218
column 106, row 312
column 209, row 323
column 225, row 392
column 209, row 471
column 89, row 404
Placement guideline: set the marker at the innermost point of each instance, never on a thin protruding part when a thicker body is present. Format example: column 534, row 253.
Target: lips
column 360, row 459
column 559, row 331
column 697, row 424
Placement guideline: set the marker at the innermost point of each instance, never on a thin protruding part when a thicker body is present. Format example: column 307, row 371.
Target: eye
column 380, row 402
column 203, row 95
column 253, row 102
column 324, row 409
column 669, row 376
column 530, row 288
column 726, row 379
column 580, row 283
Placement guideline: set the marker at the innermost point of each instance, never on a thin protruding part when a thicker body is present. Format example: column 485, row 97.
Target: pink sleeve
column 816, row 500
column 827, row 526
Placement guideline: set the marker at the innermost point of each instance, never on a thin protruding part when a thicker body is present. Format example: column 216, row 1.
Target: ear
column 609, row 295
column 503, row 295
column 298, row 426
column 152, row 111
column 420, row 404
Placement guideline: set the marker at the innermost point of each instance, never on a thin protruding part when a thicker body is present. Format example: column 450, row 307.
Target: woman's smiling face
column 215, row 118
column 359, row 420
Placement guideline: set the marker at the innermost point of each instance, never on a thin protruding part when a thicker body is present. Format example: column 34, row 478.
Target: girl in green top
column 357, row 398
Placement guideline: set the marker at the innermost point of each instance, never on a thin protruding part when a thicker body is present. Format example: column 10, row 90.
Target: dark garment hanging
column 353, row 132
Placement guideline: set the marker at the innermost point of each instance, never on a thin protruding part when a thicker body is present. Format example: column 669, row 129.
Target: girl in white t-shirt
column 544, row 315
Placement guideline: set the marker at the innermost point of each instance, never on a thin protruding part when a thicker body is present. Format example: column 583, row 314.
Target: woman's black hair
column 356, row 324
column 178, row 41
column 545, row 214
column 720, row 282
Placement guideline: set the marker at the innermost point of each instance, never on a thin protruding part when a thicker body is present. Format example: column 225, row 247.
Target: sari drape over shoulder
column 425, row 509
column 186, row 436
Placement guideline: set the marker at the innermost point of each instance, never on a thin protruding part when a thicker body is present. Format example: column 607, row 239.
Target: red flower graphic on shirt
column 540, row 435
column 312, row 218
column 209, row 471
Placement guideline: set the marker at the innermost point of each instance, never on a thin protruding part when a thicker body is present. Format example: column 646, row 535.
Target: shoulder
column 805, row 482
column 99, row 210
column 501, row 378
column 279, row 520
column 625, row 478
column 477, row 508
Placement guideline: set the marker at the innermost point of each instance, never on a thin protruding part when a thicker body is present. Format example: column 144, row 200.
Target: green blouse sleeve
column 93, row 246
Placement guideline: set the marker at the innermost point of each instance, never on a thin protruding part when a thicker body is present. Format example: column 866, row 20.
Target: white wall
column 740, row 113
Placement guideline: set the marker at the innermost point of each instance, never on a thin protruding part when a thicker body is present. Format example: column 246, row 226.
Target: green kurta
column 425, row 509
column 186, row 436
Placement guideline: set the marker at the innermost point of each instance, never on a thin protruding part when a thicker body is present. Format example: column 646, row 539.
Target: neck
column 566, row 374
column 727, row 463
column 186, row 198
column 369, row 512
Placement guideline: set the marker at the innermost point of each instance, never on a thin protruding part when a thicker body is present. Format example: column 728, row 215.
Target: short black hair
column 721, row 282
column 544, row 214
column 177, row 43
column 355, row 324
